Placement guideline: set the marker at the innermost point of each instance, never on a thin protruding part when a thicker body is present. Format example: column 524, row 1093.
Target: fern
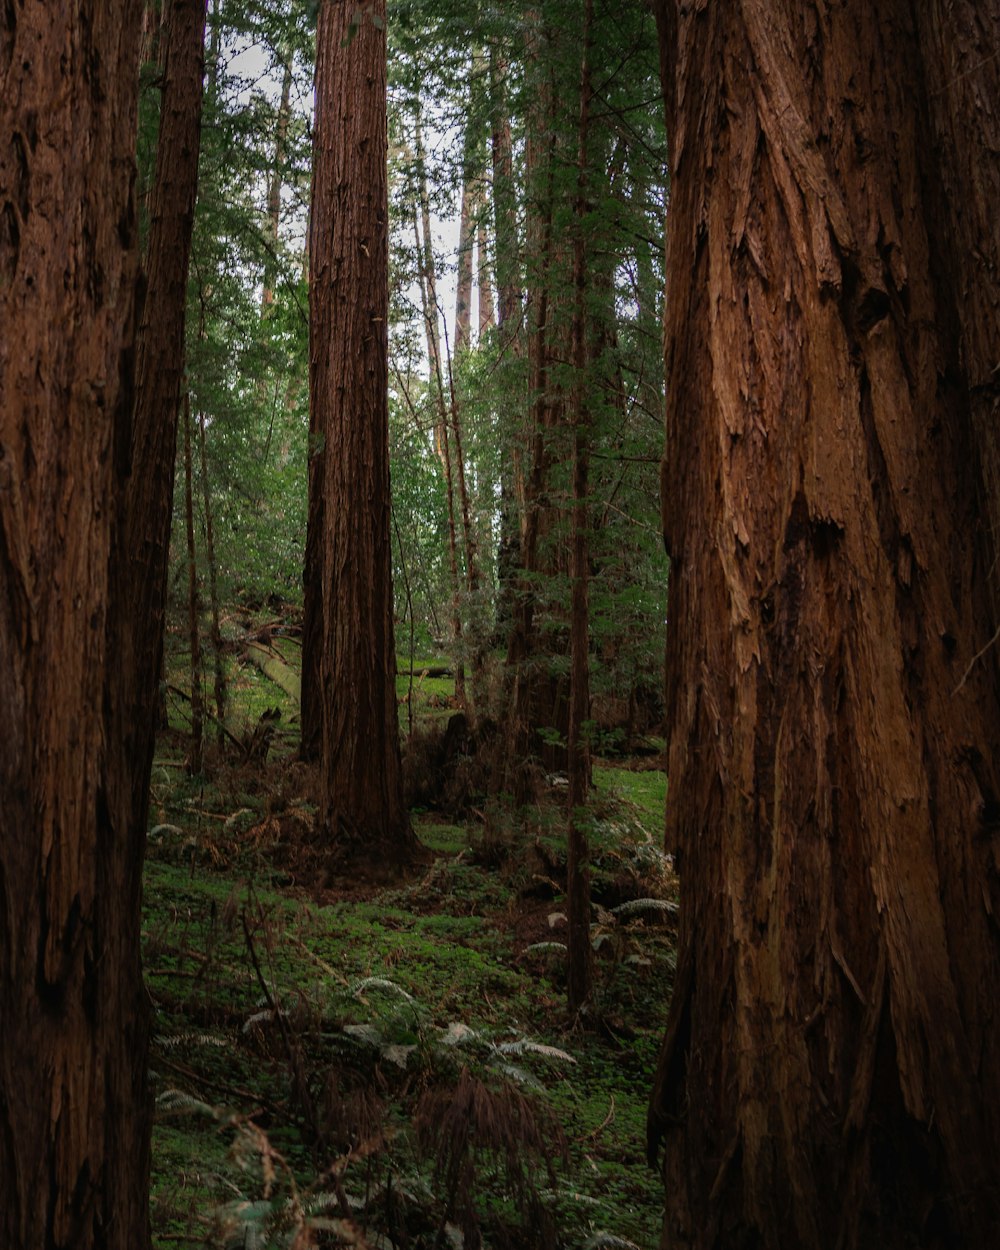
column 178, row 1100
column 457, row 1034
column 380, row 983
column 637, row 906
column 523, row 1047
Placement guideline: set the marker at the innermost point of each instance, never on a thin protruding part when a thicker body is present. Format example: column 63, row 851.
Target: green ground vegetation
column 347, row 1061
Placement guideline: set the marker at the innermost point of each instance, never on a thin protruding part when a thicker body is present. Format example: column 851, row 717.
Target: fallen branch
column 275, row 669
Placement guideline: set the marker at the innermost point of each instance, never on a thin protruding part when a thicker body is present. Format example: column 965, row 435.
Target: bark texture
column 831, row 1071
column 142, row 571
column 74, row 1115
column 579, row 966
column 362, row 797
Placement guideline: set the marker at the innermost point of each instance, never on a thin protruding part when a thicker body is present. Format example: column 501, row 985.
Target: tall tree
column 75, row 1117
column 361, row 806
column 578, row 972
column 831, row 1071
column 159, row 368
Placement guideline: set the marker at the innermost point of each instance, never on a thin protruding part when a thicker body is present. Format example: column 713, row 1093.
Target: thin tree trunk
column 578, row 748
column 441, row 440
column 466, row 244
column 274, row 187
column 213, row 588
column 159, row 368
column 215, row 45
column 487, row 315
column 194, row 605
column 830, row 1076
column 535, row 696
column 74, row 1104
column 468, row 536
column 509, row 319
column 361, row 800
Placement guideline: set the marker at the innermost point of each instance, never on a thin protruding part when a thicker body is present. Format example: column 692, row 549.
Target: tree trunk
column 274, row 187
column 487, row 316
column 311, row 705
column 442, row 444
column 466, row 245
column 578, row 748
column 213, row 589
column 194, row 606
column 831, row 1071
column 159, row 368
column 537, row 716
column 361, row 802
column 74, row 1108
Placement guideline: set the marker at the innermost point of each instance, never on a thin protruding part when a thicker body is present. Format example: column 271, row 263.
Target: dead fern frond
column 474, row 1123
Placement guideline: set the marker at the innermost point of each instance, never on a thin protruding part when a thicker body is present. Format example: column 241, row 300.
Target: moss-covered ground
column 337, row 1061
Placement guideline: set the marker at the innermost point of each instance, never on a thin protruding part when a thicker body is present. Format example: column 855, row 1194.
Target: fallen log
column 275, row 668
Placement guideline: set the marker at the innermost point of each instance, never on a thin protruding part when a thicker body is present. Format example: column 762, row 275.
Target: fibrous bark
column 361, row 805
column 831, row 1071
column 578, row 978
column 74, row 1112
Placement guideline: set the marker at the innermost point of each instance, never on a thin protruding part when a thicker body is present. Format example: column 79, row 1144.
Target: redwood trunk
column 160, row 366
column 831, row 1071
column 74, row 1112
column 578, row 747
column 361, row 804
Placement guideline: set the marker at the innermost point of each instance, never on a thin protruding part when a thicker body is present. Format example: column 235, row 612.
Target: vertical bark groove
column 831, row 1073
column 73, row 1109
column 361, row 806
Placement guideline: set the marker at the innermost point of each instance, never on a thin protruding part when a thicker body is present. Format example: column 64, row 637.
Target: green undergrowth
column 338, row 1062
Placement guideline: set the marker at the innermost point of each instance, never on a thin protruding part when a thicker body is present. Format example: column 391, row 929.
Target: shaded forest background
column 408, row 934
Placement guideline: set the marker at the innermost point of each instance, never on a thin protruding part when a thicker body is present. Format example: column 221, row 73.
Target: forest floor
column 339, row 1062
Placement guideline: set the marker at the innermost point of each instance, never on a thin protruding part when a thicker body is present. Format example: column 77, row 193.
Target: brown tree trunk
column 311, row 703
column 487, row 315
column 74, row 1110
column 463, row 287
column 361, row 803
column 159, row 368
column 831, row 1071
column 578, row 748
column 509, row 319
column 194, row 606
column 213, row 589
column 442, row 443
column 537, row 715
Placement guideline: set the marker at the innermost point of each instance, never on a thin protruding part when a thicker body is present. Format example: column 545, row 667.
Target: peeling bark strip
column 361, row 807
column 831, row 1072
column 73, row 1110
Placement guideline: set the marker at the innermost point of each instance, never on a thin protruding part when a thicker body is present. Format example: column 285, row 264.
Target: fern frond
column 608, row 1241
column 178, row 1100
column 397, row 1054
column 380, row 983
column 523, row 1047
column 363, row 1033
column 518, row 1075
column 166, row 1042
column 636, row 906
column 537, row 948
column 457, row 1033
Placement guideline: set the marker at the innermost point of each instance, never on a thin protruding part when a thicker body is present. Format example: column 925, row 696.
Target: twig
column 230, row 1091
column 608, row 1119
column 181, row 694
column 972, row 663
